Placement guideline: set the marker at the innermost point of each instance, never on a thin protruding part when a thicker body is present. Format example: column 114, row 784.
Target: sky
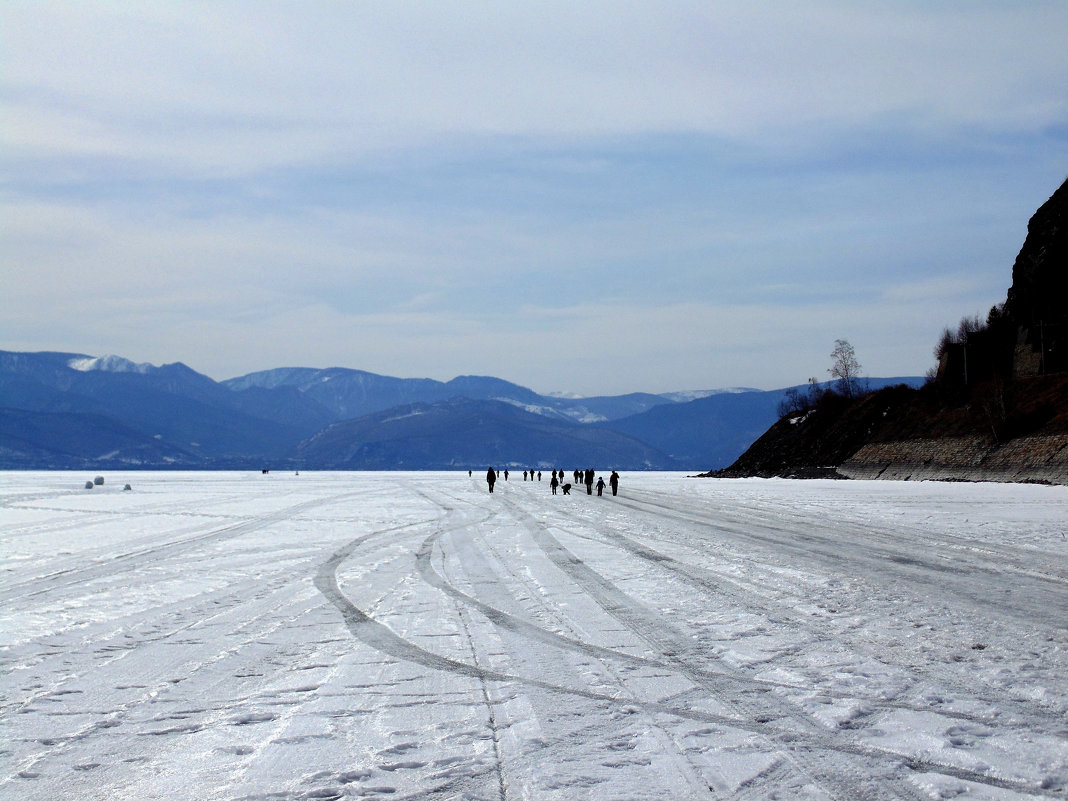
column 592, row 198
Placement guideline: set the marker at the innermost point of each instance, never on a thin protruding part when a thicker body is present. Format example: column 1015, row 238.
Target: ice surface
column 409, row 635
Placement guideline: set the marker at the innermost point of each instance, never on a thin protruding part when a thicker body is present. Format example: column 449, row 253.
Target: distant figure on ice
column 539, row 475
column 491, row 478
column 600, row 485
column 567, row 489
column 524, row 475
column 554, row 483
column 589, row 482
column 613, row 481
column 506, row 474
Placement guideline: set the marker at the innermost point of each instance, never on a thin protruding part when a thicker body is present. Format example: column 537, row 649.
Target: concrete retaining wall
column 1042, row 459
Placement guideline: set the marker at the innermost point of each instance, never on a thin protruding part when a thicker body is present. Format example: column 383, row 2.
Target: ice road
column 409, row 635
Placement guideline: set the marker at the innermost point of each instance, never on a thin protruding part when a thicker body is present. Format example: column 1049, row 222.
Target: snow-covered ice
column 409, row 635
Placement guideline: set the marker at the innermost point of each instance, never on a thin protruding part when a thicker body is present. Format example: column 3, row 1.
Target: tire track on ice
column 1028, row 713
column 875, row 544
column 744, row 593
column 743, row 681
column 491, row 712
column 383, row 639
column 135, row 558
column 818, row 745
column 253, row 617
column 778, row 725
column 257, row 619
column 563, row 744
column 87, row 518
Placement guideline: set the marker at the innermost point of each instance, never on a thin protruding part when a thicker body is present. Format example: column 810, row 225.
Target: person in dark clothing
column 566, row 488
column 589, row 482
column 506, row 474
column 554, row 483
column 600, row 485
column 491, row 478
column 613, row 482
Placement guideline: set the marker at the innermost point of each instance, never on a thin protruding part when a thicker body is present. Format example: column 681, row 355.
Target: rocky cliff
column 997, row 410
column 1037, row 302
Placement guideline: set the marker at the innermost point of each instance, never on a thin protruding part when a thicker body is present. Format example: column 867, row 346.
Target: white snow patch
column 697, row 394
column 110, row 364
column 416, row 413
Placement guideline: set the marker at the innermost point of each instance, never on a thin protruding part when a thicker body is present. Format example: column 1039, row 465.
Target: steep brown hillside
column 1006, row 432
column 998, row 409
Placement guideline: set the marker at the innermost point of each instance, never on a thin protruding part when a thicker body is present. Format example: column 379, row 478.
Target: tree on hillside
column 797, row 400
column 845, row 368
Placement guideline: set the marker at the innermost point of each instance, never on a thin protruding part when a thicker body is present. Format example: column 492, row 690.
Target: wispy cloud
column 708, row 193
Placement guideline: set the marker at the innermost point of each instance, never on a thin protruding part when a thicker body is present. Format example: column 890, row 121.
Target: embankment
column 1040, row 458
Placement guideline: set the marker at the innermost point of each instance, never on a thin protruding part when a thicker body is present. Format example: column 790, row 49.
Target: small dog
column 566, row 488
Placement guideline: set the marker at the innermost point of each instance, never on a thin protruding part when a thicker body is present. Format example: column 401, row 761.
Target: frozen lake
column 409, row 635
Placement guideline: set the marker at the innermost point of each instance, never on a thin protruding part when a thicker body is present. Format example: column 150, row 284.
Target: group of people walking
column 557, row 481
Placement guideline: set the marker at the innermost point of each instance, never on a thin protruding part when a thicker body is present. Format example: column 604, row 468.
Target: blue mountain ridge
column 68, row 410
column 465, row 433
column 352, row 393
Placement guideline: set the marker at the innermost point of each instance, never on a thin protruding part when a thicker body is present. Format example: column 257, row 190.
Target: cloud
column 593, row 349
column 589, row 197
column 244, row 86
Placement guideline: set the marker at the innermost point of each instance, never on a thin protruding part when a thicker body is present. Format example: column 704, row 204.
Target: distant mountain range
column 461, row 433
column 70, row 410
column 351, row 393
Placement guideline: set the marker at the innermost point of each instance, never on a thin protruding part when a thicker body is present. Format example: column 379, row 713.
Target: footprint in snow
column 403, row 766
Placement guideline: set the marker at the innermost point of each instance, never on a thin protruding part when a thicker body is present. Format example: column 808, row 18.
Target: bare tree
column 793, row 401
column 945, row 342
column 846, row 368
column 968, row 326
